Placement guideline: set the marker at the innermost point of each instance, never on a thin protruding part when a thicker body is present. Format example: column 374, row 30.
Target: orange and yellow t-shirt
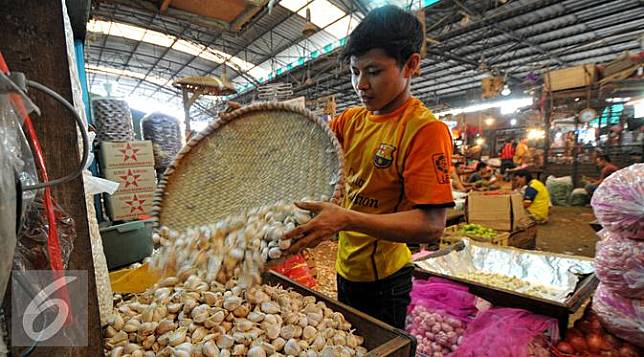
column 394, row 162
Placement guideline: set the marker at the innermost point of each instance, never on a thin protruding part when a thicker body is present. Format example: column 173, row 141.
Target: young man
column 522, row 153
column 397, row 170
column 536, row 198
column 507, row 156
column 607, row 168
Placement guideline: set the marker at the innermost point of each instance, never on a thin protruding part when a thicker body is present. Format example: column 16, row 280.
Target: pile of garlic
column 235, row 247
column 194, row 318
column 509, row 283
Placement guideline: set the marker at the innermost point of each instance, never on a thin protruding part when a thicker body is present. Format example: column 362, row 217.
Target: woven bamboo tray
column 250, row 157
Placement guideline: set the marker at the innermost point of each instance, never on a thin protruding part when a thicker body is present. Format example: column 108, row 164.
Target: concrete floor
column 568, row 232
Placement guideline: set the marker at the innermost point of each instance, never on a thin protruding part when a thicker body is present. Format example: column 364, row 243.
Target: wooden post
column 33, row 42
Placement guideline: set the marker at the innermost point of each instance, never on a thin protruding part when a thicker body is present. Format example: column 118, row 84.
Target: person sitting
column 455, row 175
column 607, row 168
column 481, row 174
column 536, row 198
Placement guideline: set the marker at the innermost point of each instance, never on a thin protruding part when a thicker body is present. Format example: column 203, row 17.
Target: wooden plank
column 375, row 332
column 33, row 42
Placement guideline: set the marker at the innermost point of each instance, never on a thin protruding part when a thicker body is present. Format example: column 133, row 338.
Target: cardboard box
column 123, row 154
column 572, row 77
column 129, row 206
column 133, row 179
column 500, row 211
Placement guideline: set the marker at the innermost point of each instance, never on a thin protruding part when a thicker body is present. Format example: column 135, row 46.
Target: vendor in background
column 522, row 153
column 607, row 168
column 455, row 174
column 482, row 173
column 507, row 156
column 536, row 198
column 397, row 161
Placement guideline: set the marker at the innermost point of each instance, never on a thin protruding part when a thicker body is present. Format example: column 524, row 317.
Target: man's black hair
column 480, row 165
column 604, row 157
column 524, row 173
column 399, row 33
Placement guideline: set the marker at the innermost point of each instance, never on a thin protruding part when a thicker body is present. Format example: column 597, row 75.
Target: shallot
column 437, row 333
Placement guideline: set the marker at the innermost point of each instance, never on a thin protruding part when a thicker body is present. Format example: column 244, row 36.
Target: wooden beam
column 164, row 5
column 33, row 42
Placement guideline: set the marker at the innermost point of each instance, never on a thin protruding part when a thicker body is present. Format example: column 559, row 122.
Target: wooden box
column 568, row 78
column 524, row 237
column 451, row 236
column 380, row 338
column 507, row 298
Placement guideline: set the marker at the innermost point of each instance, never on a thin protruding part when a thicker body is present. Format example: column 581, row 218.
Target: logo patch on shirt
column 384, row 156
column 441, row 167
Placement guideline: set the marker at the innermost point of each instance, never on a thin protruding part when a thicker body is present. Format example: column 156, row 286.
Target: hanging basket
column 254, row 156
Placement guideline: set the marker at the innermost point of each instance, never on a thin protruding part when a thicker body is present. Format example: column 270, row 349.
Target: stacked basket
column 113, row 120
column 165, row 133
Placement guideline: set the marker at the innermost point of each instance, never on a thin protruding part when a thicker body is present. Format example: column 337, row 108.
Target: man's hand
column 232, row 106
column 329, row 219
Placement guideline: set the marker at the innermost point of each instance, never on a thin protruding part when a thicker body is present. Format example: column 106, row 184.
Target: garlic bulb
column 237, row 246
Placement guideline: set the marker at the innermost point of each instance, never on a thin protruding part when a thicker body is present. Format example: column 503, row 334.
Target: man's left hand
column 329, row 219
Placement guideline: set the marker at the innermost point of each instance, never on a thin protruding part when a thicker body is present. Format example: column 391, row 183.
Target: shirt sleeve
column 426, row 176
column 530, row 194
column 337, row 126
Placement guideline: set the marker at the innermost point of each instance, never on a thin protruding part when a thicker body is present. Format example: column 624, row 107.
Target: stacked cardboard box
column 131, row 164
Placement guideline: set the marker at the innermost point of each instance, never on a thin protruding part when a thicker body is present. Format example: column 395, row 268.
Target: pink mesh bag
column 621, row 316
column 619, row 202
column 619, row 264
column 508, row 332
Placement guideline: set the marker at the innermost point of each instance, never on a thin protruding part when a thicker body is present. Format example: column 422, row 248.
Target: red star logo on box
column 130, row 179
column 129, row 152
column 136, row 204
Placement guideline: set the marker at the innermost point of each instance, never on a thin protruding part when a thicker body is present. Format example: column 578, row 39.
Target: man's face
column 519, row 181
column 377, row 79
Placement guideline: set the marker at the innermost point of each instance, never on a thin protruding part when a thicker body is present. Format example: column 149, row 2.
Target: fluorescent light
column 507, row 106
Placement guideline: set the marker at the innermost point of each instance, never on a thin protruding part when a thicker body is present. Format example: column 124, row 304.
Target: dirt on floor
column 567, row 232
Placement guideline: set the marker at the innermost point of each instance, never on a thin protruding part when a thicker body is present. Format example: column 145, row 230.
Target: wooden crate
column 524, row 237
column 451, row 236
column 380, row 338
column 572, row 77
column 507, row 298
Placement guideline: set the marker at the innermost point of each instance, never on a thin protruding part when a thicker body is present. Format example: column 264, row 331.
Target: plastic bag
column 16, row 169
column 621, row 316
column 296, row 269
column 31, row 250
column 579, row 197
column 507, row 332
column 618, row 202
column 437, row 315
column 559, row 189
column 619, row 264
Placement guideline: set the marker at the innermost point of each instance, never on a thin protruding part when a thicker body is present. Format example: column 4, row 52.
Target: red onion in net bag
column 621, row 316
column 619, row 264
column 619, row 202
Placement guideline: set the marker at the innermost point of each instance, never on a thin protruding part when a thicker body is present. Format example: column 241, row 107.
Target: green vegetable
column 478, row 230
